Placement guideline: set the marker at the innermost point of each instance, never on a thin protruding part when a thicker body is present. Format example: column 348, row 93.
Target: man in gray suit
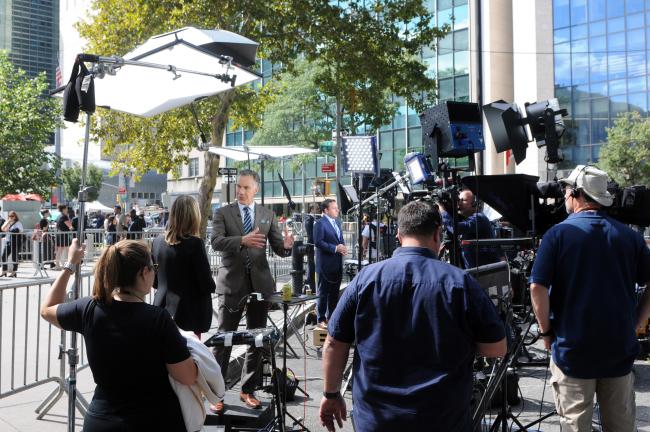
column 240, row 231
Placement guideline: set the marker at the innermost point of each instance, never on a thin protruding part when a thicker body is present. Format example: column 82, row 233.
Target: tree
column 370, row 50
column 72, row 180
column 299, row 115
column 626, row 155
column 27, row 121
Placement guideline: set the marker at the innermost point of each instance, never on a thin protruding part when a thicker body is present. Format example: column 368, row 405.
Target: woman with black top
column 132, row 346
column 184, row 281
column 14, row 227
column 63, row 227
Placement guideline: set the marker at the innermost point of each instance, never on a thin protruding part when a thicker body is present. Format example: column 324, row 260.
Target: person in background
column 418, row 324
column 474, row 225
column 137, row 224
column 133, row 347
column 122, row 224
column 13, row 227
column 45, row 244
column 63, row 238
column 111, row 230
column 369, row 240
column 330, row 250
column 45, row 214
column 184, row 283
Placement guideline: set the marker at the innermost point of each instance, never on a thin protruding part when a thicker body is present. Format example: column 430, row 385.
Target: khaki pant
column 574, row 401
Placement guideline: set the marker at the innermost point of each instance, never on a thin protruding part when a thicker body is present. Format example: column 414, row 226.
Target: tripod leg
column 50, row 400
column 280, row 408
column 347, row 378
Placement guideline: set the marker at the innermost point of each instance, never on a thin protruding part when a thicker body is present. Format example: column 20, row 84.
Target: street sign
column 328, row 168
column 228, row 171
column 326, row 146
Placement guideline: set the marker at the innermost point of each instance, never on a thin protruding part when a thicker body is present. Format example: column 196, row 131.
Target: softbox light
column 145, row 91
column 359, row 155
column 507, row 128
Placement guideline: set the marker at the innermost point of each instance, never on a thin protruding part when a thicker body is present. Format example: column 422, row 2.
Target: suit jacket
column 227, row 232
column 325, row 239
column 184, row 282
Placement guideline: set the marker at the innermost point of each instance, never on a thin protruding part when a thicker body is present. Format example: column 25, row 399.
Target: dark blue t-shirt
column 416, row 322
column 467, row 230
column 591, row 263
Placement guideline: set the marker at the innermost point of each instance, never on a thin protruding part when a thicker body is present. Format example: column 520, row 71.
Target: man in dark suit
column 330, row 249
column 240, row 231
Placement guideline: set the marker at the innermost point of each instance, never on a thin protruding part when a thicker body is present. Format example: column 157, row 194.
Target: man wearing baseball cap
column 583, row 289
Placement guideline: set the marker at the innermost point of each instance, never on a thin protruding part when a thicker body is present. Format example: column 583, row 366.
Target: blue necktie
column 248, row 223
column 248, row 227
column 336, row 228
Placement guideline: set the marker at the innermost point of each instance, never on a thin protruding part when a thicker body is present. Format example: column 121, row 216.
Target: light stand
column 103, row 65
column 360, row 157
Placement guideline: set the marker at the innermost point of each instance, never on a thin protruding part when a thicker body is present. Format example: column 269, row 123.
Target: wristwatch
column 69, row 267
column 548, row 332
column 332, row 395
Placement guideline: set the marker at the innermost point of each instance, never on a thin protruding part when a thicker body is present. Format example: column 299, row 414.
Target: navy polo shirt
column 467, row 230
column 416, row 322
column 591, row 265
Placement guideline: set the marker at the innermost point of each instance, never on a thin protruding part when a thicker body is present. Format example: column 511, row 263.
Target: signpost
column 228, row 173
column 326, row 146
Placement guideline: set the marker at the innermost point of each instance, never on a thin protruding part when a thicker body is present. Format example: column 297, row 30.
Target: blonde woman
column 184, row 281
column 133, row 347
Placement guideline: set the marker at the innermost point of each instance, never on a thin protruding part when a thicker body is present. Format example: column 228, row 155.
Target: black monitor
column 495, row 280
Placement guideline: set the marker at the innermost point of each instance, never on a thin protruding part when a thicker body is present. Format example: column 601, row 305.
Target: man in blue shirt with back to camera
column 418, row 324
column 583, row 289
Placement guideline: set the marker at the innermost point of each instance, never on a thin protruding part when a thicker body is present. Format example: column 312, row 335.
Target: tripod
column 280, row 395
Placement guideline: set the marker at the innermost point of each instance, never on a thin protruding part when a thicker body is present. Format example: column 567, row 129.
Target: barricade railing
column 48, row 249
column 29, row 346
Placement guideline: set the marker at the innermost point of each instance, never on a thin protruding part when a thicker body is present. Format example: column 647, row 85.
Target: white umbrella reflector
column 195, row 58
column 240, row 153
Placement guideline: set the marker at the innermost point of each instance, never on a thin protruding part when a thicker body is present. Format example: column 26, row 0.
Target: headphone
column 574, row 188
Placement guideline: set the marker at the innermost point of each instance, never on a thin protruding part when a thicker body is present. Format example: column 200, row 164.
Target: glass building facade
column 600, row 55
column 449, row 64
column 29, row 31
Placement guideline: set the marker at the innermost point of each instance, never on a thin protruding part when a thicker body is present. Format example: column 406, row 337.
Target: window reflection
column 600, row 66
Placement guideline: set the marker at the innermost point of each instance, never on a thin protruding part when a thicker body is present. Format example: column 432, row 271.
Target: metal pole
column 262, row 177
column 228, row 189
column 337, row 151
column 304, row 192
column 73, row 358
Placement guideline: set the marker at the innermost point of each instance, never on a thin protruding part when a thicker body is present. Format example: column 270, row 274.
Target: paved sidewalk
column 17, row 411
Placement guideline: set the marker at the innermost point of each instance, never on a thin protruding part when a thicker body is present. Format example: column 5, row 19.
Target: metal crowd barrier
column 29, row 346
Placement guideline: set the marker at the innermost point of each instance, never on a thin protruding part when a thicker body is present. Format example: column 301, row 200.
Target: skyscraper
column 29, row 31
